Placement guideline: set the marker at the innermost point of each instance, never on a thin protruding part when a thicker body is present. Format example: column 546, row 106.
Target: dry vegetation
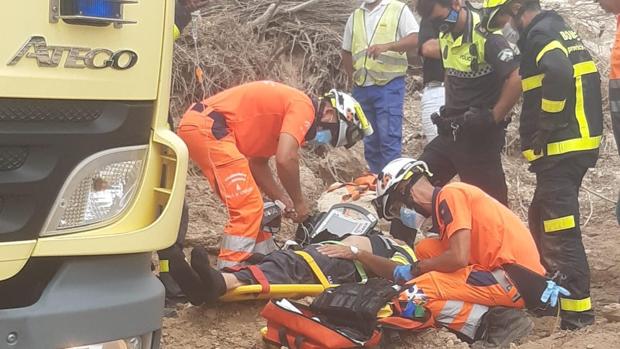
column 295, row 42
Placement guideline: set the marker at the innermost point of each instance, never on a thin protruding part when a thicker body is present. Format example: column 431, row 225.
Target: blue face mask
column 408, row 217
column 446, row 24
column 323, row 137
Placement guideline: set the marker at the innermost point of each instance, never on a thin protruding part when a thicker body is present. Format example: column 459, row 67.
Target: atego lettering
column 74, row 57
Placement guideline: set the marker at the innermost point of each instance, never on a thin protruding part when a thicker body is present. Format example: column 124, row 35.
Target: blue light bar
column 98, row 8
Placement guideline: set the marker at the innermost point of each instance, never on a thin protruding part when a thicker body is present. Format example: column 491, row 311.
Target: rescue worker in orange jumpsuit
column 481, row 270
column 233, row 134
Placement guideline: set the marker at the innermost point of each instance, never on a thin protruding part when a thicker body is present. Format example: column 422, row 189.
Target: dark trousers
column 477, row 160
column 175, row 273
column 554, row 223
column 287, row 267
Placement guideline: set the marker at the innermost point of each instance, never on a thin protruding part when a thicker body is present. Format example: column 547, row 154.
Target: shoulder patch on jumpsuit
column 444, row 212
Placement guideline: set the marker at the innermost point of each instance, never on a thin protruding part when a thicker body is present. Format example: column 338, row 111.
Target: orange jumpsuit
column 222, row 132
column 458, row 300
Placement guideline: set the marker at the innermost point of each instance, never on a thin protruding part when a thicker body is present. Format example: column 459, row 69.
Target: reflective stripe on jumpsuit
column 458, row 300
column 212, row 146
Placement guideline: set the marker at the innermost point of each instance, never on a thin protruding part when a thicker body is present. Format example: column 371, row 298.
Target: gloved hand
column 551, row 294
column 437, row 116
column 442, row 121
column 547, row 124
column 539, row 140
column 478, row 118
column 404, row 273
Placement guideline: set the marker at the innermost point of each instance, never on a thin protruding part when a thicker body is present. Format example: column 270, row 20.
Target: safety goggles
column 397, row 199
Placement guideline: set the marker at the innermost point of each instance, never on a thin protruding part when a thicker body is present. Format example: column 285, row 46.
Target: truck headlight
column 138, row 342
column 98, row 190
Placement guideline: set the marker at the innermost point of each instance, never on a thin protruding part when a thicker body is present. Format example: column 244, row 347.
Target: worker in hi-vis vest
column 376, row 37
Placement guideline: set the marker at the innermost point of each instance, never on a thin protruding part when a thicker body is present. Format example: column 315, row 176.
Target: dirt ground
column 237, row 325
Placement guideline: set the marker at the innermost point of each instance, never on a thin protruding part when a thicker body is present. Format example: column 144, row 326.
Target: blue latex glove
column 551, row 294
column 402, row 274
column 409, row 311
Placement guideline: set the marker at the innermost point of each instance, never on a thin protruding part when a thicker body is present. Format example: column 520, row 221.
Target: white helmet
column 352, row 124
column 389, row 200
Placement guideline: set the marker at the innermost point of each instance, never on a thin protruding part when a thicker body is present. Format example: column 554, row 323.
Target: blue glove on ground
column 551, row 294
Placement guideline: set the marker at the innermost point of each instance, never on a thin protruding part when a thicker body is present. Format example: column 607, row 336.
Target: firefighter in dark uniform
column 561, row 127
column 482, row 85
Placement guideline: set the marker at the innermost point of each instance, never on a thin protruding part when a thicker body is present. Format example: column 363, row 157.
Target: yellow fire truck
column 91, row 177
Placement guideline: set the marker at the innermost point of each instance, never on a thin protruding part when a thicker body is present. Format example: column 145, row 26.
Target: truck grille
column 12, row 157
column 50, row 110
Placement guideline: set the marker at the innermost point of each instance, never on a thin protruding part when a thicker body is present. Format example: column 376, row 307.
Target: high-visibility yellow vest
column 464, row 56
column 389, row 65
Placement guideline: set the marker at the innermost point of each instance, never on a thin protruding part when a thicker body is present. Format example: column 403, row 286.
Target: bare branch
column 301, row 6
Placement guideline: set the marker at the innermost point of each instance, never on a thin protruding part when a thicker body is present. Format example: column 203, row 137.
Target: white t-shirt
column 406, row 25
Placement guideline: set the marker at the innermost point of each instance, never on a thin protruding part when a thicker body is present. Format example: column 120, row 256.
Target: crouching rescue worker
column 561, row 127
column 483, row 268
column 232, row 135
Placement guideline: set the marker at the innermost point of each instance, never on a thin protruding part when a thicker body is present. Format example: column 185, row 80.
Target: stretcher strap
column 258, row 275
column 315, row 268
column 260, row 278
column 361, row 271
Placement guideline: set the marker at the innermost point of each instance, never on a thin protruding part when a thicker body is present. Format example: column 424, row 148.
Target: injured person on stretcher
column 352, row 259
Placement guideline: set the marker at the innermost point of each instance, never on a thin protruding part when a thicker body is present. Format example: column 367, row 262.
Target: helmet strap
column 319, row 107
column 408, row 199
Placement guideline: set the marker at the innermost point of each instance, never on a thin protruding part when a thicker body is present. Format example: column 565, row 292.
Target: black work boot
column 182, row 275
column 212, row 278
column 501, row 326
column 574, row 320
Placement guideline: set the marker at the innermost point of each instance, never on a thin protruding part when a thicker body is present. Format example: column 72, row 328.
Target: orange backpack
column 305, row 330
column 339, row 318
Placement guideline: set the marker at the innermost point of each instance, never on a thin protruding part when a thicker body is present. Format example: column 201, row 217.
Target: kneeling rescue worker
column 483, row 268
column 561, row 127
column 232, row 135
